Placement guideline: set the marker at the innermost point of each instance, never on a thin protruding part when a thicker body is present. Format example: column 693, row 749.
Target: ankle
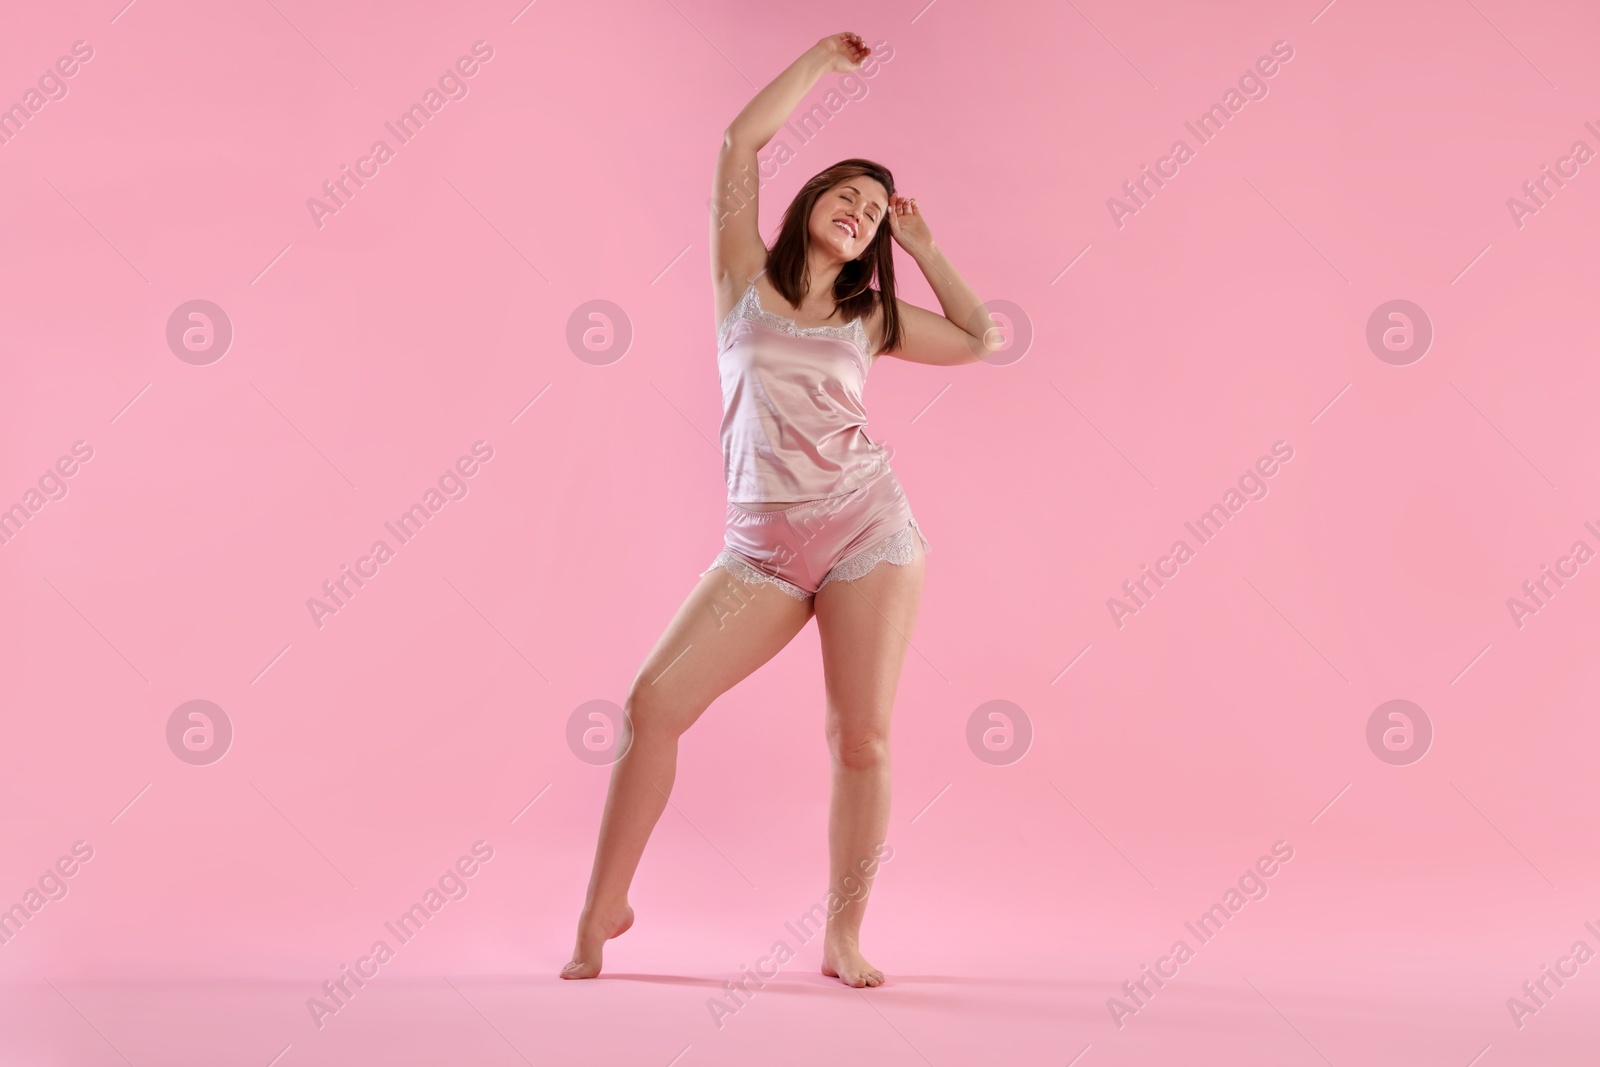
column 600, row 910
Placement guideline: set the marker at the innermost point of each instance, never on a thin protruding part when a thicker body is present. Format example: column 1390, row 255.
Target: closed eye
column 872, row 212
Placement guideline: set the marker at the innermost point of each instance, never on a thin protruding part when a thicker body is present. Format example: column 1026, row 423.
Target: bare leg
column 724, row 630
column 865, row 626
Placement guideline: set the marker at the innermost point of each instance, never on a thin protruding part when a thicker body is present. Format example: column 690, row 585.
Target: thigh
column 722, row 632
column 866, row 625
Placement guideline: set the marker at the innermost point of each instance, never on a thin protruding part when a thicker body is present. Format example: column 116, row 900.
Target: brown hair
column 788, row 270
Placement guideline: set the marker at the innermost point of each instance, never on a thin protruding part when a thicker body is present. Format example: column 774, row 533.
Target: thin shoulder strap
column 743, row 308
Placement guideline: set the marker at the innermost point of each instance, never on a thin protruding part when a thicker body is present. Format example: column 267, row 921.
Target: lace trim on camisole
column 749, row 307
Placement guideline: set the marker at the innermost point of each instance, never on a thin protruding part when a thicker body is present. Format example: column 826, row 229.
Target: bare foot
column 842, row 959
column 595, row 928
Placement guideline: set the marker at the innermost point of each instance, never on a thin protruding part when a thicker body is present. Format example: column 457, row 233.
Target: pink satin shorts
column 837, row 538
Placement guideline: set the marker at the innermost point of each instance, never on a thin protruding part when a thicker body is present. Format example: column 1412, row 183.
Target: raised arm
column 737, row 252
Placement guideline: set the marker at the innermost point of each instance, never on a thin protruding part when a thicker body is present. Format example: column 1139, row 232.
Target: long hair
column 789, row 270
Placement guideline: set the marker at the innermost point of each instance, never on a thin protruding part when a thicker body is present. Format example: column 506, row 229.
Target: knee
column 651, row 713
column 859, row 748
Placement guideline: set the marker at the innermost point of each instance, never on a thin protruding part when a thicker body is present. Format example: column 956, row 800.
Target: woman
column 812, row 503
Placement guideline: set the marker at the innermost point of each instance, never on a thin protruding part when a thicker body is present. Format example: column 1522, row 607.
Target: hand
column 908, row 226
column 843, row 52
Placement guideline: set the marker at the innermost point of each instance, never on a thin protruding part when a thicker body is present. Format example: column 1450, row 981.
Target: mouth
column 847, row 226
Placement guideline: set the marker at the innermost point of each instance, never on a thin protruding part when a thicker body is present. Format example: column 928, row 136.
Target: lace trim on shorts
column 897, row 548
column 736, row 565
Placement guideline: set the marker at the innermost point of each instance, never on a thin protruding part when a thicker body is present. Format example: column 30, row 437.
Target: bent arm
column 966, row 334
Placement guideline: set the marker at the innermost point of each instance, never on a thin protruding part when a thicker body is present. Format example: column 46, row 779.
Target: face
column 847, row 217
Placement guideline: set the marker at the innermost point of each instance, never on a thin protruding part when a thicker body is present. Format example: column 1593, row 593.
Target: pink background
column 368, row 354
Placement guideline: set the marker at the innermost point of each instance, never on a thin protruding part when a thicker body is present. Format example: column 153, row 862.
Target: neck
column 823, row 270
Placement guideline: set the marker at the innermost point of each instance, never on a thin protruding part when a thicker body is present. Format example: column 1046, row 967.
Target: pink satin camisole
column 793, row 422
